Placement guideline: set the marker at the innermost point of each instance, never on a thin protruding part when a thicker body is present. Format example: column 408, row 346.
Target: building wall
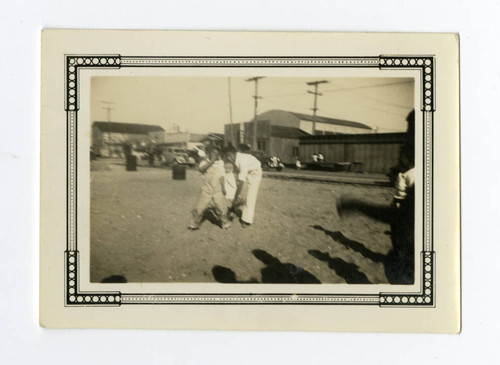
column 96, row 138
column 378, row 153
column 157, row 136
column 180, row 138
column 307, row 126
column 284, row 149
column 263, row 131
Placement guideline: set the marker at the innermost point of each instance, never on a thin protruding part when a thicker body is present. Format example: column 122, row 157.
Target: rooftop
column 287, row 132
column 130, row 128
column 277, row 113
column 320, row 119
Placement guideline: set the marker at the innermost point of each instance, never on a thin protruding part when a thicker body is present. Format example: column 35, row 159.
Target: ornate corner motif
column 73, row 64
column 426, row 65
column 79, row 298
column 425, row 298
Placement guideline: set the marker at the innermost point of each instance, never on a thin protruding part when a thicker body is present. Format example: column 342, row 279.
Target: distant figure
column 298, row 165
column 315, row 157
column 321, row 159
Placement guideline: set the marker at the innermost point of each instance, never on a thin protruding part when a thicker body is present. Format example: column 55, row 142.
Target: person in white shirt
column 321, row 159
column 404, row 182
column 230, row 185
column 249, row 170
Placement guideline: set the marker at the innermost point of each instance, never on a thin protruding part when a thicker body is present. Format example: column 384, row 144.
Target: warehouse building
column 278, row 132
column 375, row 153
column 184, row 140
column 108, row 138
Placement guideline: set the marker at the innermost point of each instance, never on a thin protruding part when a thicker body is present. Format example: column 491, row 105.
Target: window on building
column 295, row 151
column 262, row 145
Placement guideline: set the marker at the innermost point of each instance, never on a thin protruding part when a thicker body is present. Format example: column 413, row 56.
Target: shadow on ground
column 398, row 263
column 114, row 279
column 348, row 271
column 353, row 245
column 275, row 272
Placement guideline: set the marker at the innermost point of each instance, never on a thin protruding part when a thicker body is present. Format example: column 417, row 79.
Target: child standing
column 212, row 170
column 229, row 182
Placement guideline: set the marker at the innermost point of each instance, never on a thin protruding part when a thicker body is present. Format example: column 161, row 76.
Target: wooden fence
column 377, row 152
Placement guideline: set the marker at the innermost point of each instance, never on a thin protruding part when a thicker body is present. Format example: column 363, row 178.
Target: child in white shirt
column 212, row 170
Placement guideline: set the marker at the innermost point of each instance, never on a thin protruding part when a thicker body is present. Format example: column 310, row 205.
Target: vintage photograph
column 304, row 187
column 272, row 180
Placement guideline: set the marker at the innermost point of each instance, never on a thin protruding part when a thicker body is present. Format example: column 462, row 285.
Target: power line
column 367, row 86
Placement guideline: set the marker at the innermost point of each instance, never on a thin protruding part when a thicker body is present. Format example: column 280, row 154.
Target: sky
column 201, row 104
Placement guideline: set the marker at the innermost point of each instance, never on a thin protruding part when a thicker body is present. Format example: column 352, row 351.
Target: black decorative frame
column 425, row 297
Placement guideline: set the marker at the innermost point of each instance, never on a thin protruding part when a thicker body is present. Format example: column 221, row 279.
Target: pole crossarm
column 315, row 93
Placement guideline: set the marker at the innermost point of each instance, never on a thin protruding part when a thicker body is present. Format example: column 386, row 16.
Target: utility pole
column 315, row 93
column 256, row 97
column 230, row 110
column 108, row 108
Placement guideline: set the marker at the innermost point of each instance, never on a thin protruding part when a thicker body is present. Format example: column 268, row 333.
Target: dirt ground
column 139, row 232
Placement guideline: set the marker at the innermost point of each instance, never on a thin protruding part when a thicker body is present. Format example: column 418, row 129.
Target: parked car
column 178, row 156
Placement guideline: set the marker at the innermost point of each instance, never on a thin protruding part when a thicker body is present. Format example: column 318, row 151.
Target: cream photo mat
column 56, row 307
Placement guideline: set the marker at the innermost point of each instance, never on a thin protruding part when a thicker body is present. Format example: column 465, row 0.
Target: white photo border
column 425, row 297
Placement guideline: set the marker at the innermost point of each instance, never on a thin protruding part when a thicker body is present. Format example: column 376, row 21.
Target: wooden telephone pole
column 108, row 108
column 230, row 110
column 315, row 93
column 256, row 97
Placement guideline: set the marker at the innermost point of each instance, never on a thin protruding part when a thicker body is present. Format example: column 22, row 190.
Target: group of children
column 230, row 183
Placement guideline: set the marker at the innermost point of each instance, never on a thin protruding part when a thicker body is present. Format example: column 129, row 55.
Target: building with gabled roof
column 108, row 138
column 278, row 132
column 324, row 125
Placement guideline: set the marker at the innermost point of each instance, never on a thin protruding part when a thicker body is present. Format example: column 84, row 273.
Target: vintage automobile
column 178, row 156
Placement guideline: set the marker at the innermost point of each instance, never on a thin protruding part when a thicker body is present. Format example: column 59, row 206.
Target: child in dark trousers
column 212, row 190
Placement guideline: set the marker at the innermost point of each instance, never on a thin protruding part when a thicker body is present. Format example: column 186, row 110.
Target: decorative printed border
column 425, row 297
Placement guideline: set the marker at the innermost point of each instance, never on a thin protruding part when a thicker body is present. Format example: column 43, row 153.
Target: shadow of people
column 348, row 271
column 225, row 275
column 114, row 279
column 354, row 245
column 399, row 263
column 349, row 206
column 282, row 273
